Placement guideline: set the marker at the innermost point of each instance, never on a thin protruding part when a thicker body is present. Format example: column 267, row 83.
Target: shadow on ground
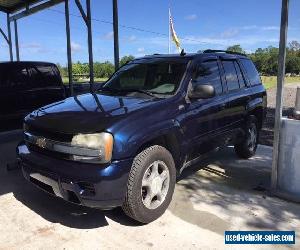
column 220, row 181
column 240, row 188
column 51, row 208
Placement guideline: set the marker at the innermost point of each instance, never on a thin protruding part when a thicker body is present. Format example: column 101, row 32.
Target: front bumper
column 93, row 185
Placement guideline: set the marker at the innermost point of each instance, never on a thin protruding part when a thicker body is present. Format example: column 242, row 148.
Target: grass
column 271, row 81
column 66, row 80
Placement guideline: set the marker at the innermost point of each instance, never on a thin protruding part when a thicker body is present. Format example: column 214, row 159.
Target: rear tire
column 150, row 184
column 247, row 147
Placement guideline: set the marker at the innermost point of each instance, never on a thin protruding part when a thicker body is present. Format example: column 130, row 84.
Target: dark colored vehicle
column 125, row 144
column 26, row 86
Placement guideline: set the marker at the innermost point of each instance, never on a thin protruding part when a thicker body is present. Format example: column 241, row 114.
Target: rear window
column 251, row 71
column 44, row 76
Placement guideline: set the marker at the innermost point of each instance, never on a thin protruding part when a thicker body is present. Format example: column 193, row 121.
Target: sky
column 200, row 24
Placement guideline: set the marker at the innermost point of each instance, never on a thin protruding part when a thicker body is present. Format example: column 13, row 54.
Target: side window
column 4, row 80
column 251, row 71
column 230, row 75
column 56, row 74
column 208, row 72
column 18, row 77
column 240, row 75
column 43, row 76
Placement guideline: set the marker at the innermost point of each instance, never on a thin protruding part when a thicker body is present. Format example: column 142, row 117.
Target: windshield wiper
column 141, row 91
column 129, row 90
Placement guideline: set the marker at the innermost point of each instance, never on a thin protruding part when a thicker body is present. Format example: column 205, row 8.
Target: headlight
column 100, row 144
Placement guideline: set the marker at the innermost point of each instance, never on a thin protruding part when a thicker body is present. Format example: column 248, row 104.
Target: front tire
column 150, row 185
column 247, row 148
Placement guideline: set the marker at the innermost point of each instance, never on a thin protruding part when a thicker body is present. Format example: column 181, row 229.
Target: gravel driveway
column 266, row 136
column 221, row 193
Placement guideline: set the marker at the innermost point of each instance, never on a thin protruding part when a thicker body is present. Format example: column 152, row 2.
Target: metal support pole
column 279, row 96
column 116, row 33
column 69, row 51
column 297, row 105
column 9, row 39
column 90, row 42
column 17, row 40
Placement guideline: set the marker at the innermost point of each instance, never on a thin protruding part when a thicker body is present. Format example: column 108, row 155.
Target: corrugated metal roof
column 15, row 5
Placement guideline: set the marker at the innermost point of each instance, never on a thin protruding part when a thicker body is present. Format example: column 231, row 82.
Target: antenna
column 182, row 53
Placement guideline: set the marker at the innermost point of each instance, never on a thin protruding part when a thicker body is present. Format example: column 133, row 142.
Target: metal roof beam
column 24, row 4
column 81, row 10
column 4, row 35
column 87, row 17
column 116, row 34
column 4, row 9
column 29, row 11
column 9, row 38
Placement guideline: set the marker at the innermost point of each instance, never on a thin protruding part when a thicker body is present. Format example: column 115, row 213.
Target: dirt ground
column 221, row 193
column 289, row 98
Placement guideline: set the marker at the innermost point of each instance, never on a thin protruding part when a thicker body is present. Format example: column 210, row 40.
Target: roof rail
column 223, row 51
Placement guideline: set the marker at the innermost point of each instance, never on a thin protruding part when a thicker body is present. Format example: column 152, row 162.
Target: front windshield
column 156, row 78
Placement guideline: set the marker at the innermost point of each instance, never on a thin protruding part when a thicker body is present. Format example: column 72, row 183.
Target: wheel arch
column 168, row 141
column 258, row 113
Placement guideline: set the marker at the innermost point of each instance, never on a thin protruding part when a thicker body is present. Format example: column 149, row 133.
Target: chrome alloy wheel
column 155, row 185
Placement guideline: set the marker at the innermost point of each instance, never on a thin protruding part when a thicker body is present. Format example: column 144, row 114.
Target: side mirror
column 201, row 91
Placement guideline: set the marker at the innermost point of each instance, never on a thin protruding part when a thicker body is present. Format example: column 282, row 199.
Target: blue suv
column 125, row 144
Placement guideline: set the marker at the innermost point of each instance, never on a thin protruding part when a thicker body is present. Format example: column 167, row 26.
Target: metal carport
column 17, row 9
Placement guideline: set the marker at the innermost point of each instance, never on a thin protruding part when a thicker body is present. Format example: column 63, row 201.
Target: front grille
column 52, row 154
column 55, row 136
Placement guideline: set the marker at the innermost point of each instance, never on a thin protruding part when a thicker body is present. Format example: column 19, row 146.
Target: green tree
column 236, row 48
column 103, row 70
column 126, row 59
column 77, row 68
column 63, row 70
column 266, row 60
column 293, row 64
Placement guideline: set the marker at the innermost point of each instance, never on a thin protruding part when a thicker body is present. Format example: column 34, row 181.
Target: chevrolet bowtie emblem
column 41, row 142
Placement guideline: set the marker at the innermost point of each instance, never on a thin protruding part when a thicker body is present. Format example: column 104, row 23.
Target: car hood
column 85, row 113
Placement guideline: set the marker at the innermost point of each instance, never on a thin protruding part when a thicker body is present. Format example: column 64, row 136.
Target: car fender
column 129, row 146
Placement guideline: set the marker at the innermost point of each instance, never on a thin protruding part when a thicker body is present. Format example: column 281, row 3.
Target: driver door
column 204, row 121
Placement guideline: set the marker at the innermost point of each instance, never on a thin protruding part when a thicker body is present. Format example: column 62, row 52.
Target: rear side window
column 44, row 76
column 4, row 76
column 16, row 76
column 240, row 75
column 208, row 73
column 230, row 75
column 251, row 71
